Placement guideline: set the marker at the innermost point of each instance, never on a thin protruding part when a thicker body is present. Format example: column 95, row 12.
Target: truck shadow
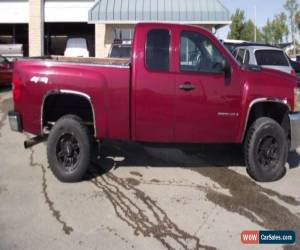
column 129, row 154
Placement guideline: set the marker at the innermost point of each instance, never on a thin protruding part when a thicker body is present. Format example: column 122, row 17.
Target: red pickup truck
column 180, row 86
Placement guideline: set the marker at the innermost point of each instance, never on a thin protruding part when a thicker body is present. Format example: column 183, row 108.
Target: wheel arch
column 276, row 109
column 69, row 93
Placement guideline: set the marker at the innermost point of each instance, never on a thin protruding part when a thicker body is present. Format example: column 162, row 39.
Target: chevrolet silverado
column 180, row 86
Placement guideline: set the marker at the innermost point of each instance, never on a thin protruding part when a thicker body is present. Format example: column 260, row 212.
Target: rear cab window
column 158, row 50
column 271, row 58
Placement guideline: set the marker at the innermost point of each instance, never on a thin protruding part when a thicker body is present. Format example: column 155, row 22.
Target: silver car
column 265, row 56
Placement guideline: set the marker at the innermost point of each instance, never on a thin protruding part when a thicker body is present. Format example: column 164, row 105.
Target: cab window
column 158, row 50
column 198, row 54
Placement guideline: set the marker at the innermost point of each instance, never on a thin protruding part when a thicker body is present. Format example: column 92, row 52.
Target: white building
column 43, row 26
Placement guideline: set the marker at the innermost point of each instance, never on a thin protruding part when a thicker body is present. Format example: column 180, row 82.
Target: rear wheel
column 266, row 150
column 69, row 149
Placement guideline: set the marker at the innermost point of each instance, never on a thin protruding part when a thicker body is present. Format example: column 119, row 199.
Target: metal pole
column 294, row 35
column 255, row 35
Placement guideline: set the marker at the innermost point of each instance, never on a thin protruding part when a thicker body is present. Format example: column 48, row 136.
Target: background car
column 296, row 66
column 265, row 56
column 6, row 69
column 232, row 44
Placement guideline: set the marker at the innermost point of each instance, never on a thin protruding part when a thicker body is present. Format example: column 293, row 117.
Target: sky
column 264, row 9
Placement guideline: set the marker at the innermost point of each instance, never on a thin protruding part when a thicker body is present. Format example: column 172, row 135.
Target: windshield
column 271, row 58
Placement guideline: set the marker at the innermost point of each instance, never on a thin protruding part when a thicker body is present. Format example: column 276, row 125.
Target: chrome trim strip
column 95, row 65
column 262, row 99
column 224, row 114
column 51, row 62
column 66, row 91
column 70, row 92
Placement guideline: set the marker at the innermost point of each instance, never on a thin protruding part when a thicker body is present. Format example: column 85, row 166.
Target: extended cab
column 180, row 86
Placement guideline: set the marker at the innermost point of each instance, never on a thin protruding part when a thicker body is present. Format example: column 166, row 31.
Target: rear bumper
column 295, row 130
column 15, row 121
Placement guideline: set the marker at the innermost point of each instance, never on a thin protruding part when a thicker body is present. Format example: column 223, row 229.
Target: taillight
column 16, row 82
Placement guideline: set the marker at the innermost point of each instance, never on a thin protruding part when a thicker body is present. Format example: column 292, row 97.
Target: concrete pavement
column 139, row 198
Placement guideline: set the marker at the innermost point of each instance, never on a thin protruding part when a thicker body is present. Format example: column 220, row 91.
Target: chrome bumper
column 295, row 130
column 15, row 122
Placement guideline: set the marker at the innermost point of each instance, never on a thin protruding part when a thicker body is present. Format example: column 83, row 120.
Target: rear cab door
column 153, row 84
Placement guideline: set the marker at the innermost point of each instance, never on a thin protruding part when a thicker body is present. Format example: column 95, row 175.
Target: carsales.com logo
column 268, row 237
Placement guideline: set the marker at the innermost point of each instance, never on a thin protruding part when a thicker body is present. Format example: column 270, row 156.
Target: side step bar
column 34, row 141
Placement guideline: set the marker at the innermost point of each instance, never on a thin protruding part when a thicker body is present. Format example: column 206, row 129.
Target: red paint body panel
column 108, row 88
column 133, row 103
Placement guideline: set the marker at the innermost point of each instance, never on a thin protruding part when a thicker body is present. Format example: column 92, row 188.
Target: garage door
column 67, row 11
column 14, row 11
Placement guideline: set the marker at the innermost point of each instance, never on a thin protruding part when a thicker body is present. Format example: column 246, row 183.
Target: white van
column 77, row 47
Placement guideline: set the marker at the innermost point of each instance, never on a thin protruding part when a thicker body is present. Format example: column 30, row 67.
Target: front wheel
column 266, row 150
column 69, row 149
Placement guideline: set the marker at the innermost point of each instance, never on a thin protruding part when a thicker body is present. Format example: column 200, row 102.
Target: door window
column 198, row 54
column 158, row 50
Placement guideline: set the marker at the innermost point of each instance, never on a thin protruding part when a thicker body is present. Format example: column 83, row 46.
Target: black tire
column 266, row 150
column 69, row 149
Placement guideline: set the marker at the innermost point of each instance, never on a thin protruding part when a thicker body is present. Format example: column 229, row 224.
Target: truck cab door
column 153, row 90
column 207, row 98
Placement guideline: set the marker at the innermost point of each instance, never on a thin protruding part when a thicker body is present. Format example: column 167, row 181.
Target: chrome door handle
column 187, row 86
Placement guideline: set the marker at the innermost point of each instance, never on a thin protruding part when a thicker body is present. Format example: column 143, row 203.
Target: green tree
column 247, row 33
column 280, row 28
column 237, row 25
column 242, row 29
column 291, row 6
column 275, row 31
column 267, row 33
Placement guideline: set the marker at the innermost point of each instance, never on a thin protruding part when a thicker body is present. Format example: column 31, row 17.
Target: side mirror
column 226, row 69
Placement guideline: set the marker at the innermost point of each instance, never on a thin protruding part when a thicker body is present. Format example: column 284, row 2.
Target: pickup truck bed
column 104, row 83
